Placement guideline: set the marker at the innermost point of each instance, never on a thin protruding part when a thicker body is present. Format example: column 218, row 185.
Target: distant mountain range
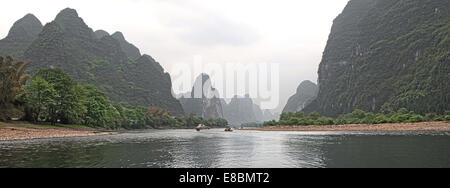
column 107, row 61
column 241, row 110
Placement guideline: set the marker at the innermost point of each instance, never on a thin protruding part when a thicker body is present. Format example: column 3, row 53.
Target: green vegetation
column 53, row 97
column 11, row 81
column 356, row 117
column 110, row 63
column 386, row 55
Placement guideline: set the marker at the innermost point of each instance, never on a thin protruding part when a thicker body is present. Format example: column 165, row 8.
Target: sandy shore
column 424, row 126
column 26, row 133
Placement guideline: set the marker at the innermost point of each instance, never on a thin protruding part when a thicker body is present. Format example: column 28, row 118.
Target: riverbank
column 423, row 126
column 27, row 131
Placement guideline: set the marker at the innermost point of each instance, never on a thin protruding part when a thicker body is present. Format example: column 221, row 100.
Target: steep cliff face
column 384, row 54
column 20, row 36
column 100, row 59
column 203, row 102
column 306, row 93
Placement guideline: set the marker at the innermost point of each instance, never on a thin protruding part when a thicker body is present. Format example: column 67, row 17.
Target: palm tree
column 11, row 81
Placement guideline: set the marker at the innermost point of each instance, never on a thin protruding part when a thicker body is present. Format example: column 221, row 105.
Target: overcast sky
column 292, row 33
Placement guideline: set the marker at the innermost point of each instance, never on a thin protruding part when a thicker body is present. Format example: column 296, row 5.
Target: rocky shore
column 19, row 132
column 423, row 126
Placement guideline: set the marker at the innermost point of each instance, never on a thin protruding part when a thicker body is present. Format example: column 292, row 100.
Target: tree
column 98, row 110
column 180, row 121
column 11, row 81
column 67, row 102
column 314, row 115
column 221, row 122
column 190, row 120
column 41, row 96
column 160, row 116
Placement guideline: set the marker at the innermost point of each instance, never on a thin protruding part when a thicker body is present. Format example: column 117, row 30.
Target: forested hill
column 384, row 55
column 107, row 61
column 20, row 36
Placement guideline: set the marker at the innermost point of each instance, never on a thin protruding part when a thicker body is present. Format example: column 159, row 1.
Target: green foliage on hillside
column 53, row 96
column 356, row 117
column 69, row 44
column 385, row 55
column 20, row 36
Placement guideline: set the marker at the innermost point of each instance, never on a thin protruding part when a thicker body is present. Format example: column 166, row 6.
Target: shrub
column 416, row 118
column 283, row 122
column 306, row 121
column 356, row 117
column 358, row 114
column 293, row 121
column 381, row 118
column 300, row 115
column 447, row 118
column 398, row 118
column 270, row 123
column 402, row 111
column 431, row 116
column 439, row 118
column 341, row 121
column 324, row 121
column 314, row 115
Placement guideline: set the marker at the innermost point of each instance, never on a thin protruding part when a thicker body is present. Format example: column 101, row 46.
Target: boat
column 228, row 129
column 201, row 127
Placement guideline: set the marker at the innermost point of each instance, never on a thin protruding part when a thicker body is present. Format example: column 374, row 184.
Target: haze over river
column 247, row 149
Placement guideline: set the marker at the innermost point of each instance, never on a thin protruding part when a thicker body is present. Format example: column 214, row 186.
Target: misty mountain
column 110, row 62
column 270, row 115
column 203, row 103
column 240, row 111
column 306, row 93
column 20, row 36
column 243, row 110
column 384, row 55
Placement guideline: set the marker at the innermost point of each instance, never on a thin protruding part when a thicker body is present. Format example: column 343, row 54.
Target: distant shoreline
column 25, row 131
column 423, row 126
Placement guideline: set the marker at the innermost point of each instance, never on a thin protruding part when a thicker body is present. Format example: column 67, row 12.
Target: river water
column 239, row 149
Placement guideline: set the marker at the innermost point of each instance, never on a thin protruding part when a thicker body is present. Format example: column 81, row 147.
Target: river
column 240, row 149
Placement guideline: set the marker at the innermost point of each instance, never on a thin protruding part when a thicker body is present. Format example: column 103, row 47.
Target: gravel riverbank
column 423, row 126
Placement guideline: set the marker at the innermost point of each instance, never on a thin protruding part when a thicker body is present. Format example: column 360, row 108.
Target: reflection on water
column 215, row 148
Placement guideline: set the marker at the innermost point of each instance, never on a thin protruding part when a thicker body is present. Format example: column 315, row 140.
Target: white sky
column 292, row 33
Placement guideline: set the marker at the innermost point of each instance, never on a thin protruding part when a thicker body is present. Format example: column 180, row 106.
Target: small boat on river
column 201, row 127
